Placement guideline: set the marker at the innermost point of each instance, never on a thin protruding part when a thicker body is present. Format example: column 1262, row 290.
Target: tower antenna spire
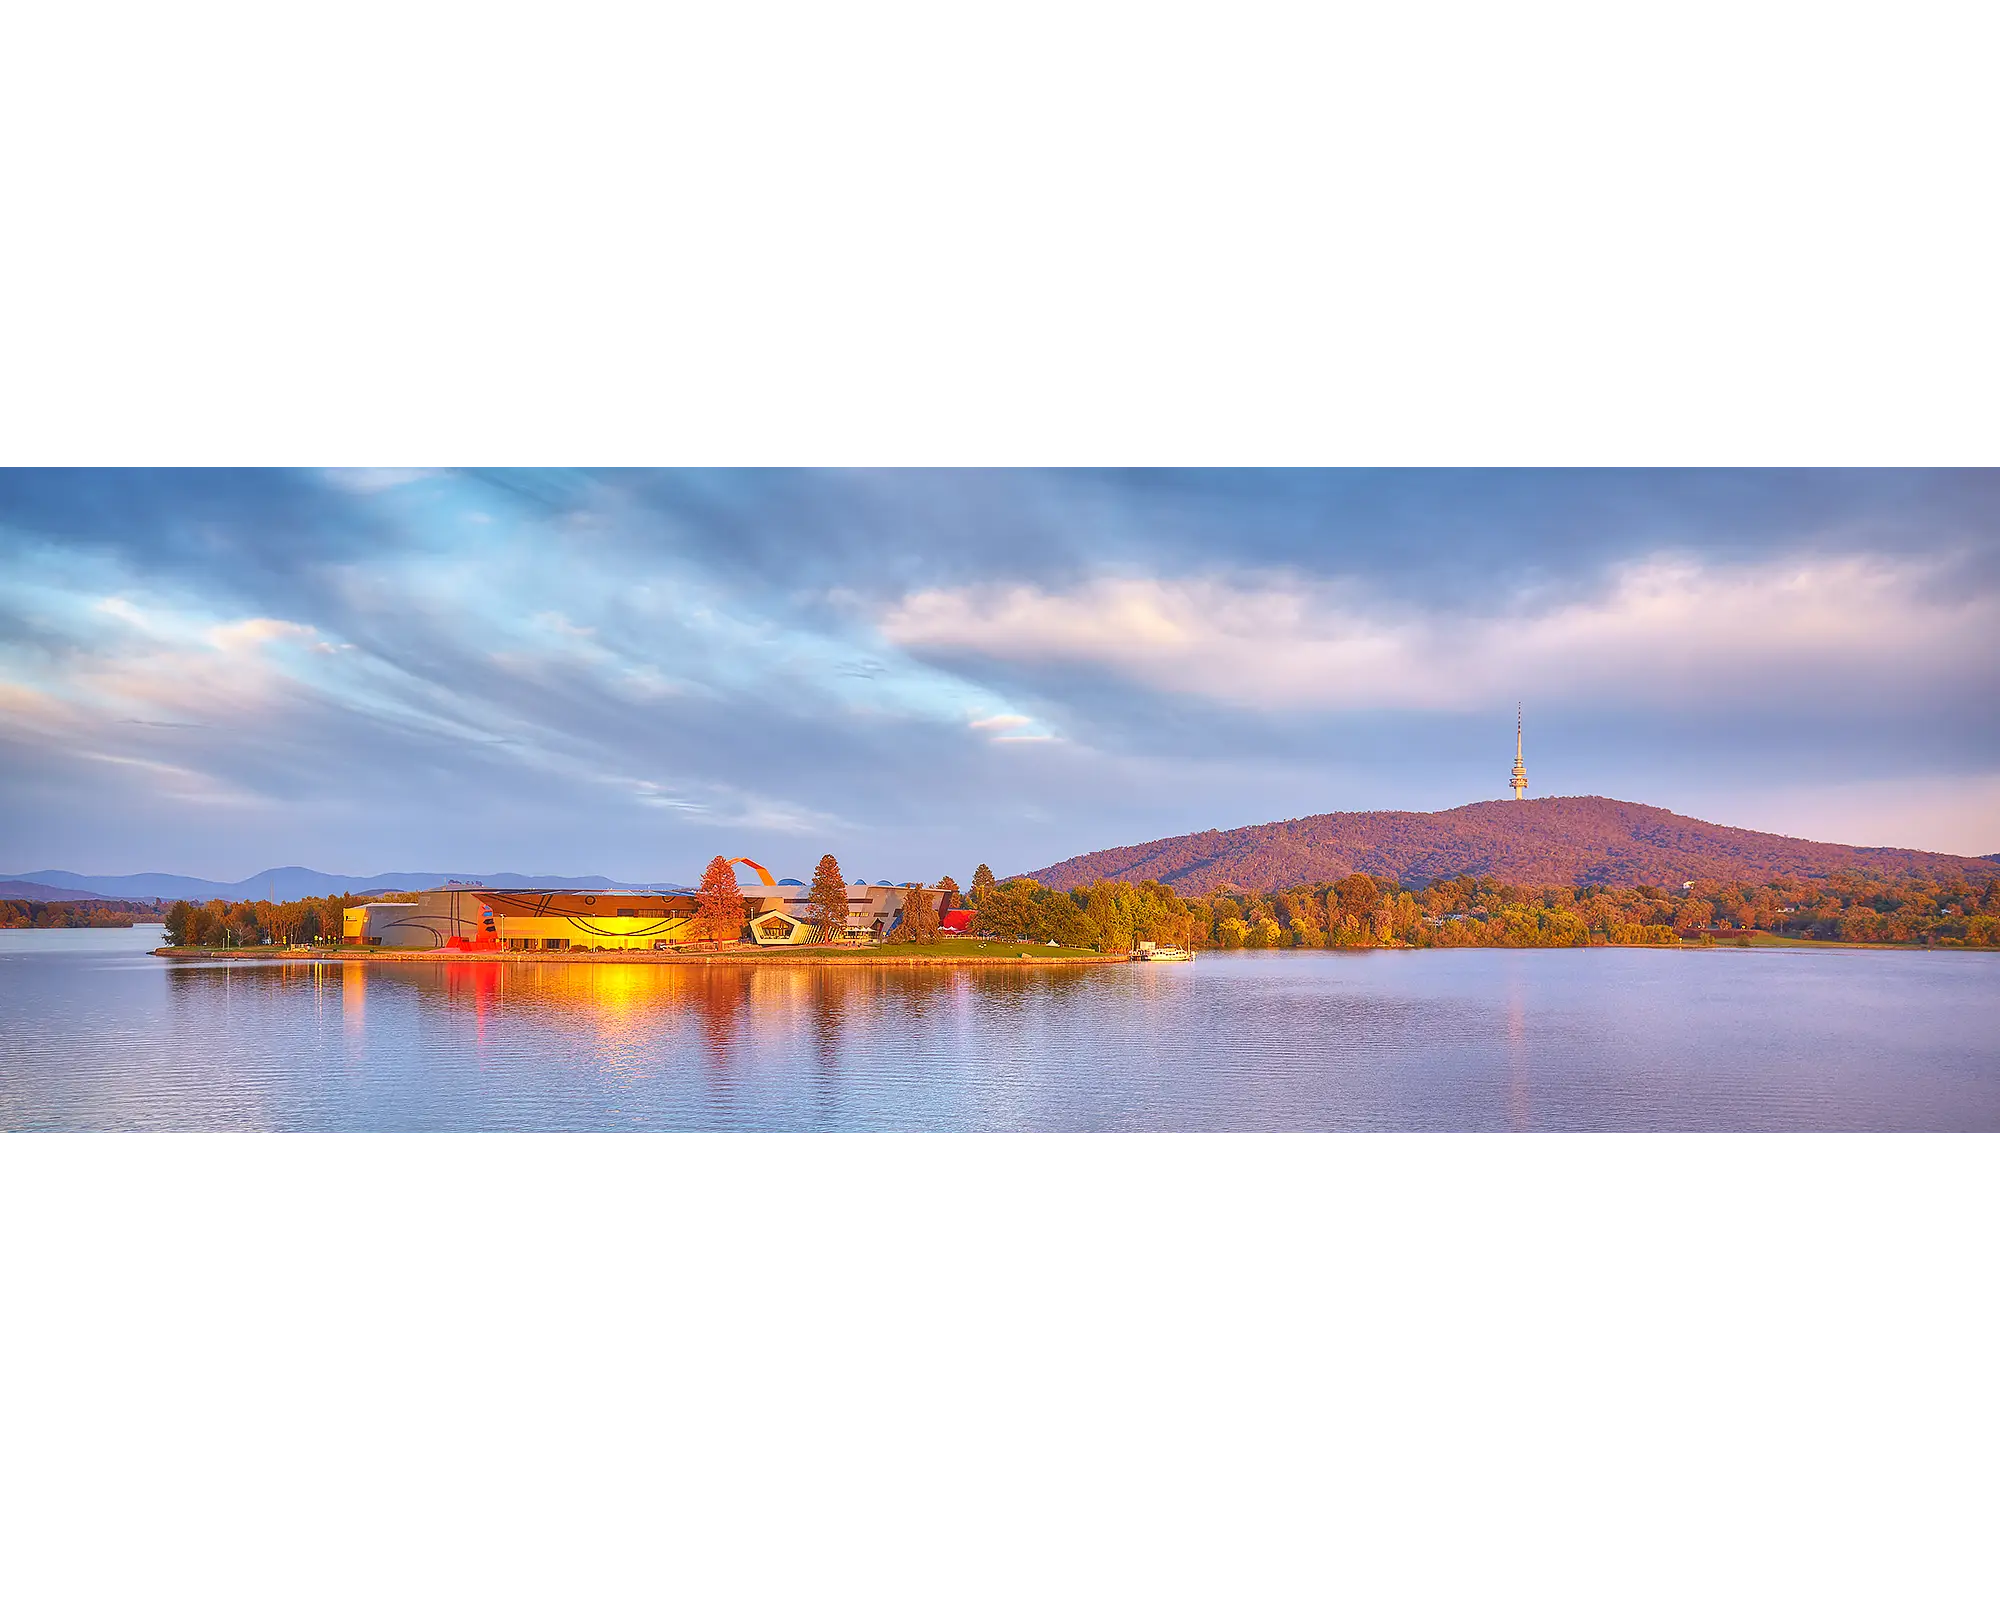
column 1519, row 782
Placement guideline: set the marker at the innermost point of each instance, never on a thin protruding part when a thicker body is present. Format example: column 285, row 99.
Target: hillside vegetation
column 1580, row 840
column 1360, row 912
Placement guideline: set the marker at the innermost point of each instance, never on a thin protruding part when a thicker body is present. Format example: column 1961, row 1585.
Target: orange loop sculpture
column 762, row 872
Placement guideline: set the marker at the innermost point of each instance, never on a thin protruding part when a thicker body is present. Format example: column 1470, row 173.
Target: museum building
column 471, row 917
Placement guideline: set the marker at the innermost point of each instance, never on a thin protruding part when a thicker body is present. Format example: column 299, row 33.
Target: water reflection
column 1517, row 1056
column 614, row 992
column 828, row 1002
column 353, row 990
column 1471, row 1039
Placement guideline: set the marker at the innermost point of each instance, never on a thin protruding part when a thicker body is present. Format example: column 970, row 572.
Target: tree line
column 222, row 924
column 1362, row 912
column 76, row 913
column 1356, row 912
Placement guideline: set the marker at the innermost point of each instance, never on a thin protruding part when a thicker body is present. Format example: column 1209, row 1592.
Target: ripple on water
column 99, row 1034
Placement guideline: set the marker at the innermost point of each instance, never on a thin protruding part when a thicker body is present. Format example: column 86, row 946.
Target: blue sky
column 568, row 672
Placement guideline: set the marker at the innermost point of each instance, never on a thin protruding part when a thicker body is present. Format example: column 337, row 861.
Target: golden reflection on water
column 626, row 1006
column 353, row 998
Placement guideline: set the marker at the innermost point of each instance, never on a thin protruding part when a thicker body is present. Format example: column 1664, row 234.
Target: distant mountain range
column 1576, row 840
column 279, row 883
column 21, row 889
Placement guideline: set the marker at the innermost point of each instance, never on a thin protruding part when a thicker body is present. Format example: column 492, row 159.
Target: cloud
column 252, row 632
column 627, row 671
column 1006, row 729
column 116, row 605
column 1660, row 631
column 375, row 480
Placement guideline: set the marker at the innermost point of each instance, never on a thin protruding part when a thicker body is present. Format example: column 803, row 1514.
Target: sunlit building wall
column 604, row 919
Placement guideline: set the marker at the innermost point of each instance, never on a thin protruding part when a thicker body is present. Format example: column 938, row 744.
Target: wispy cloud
column 375, row 480
column 627, row 671
column 237, row 637
column 1662, row 631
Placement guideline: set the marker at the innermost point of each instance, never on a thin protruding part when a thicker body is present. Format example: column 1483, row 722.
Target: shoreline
column 994, row 955
column 1005, row 955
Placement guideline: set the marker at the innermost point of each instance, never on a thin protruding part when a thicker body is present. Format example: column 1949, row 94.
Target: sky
column 628, row 672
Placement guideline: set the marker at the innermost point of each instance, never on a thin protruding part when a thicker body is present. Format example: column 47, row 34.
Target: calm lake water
column 95, row 1033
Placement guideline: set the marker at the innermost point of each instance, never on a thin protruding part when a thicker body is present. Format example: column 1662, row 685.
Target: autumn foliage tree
column 315, row 919
column 826, row 901
column 982, row 880
column 284, row 920
column 77, row 914
column 1007, row 913
column 1957, row 912
column 720, row 910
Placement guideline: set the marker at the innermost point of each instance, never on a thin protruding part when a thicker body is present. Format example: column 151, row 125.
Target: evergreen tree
column 720, row 910
column 208, row 925
column 982, row 881
column 949, row 893
column 827, row 901
column 920, row 916
column 1007, row 913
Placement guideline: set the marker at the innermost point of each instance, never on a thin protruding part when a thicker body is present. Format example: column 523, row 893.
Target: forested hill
column 1574, row 839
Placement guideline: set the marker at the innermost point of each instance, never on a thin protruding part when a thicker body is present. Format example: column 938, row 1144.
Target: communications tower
column 1519, row 781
